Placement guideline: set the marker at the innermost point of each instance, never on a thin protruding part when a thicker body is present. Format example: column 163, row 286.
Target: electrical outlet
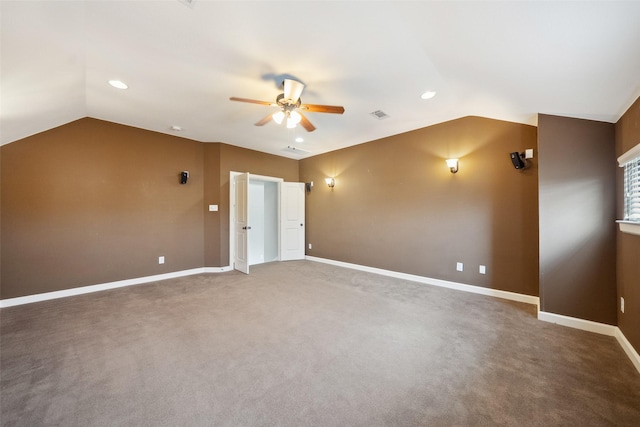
column 160, row 260
column 459, row 266
column 310, row 246
column 622, row 304
column 482, row 269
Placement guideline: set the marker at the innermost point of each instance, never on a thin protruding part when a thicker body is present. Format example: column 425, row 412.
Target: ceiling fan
column 291, row 107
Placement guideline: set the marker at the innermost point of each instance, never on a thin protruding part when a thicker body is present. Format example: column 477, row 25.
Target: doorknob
column 301, row 225
column 246, row 228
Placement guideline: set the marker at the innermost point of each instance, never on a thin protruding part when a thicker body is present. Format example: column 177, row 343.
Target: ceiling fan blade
column 266, row 119
column 306, row 124
column 292, row 90
column 315, row 108
column 253, row 101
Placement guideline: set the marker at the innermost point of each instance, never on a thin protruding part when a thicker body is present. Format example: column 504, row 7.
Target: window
column 631, row 163
column 632, row 191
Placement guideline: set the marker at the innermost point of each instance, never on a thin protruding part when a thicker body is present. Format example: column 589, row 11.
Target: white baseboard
column 628, row 348
column 217, row 269
column 598, row 328
column 529, row 299
column 574, row 322
column 9, row 302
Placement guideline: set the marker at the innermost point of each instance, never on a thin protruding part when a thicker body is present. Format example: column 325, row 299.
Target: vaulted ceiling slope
column 182, row 60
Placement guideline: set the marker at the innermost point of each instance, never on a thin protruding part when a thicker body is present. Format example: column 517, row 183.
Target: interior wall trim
column 628, row 348
column 217, row 269
column 529, row 299
column 10, row 302
column 595, row 327
column 574, row 322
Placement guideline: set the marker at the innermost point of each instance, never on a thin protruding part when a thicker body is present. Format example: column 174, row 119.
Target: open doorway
column 267, row 220
column 264, row 243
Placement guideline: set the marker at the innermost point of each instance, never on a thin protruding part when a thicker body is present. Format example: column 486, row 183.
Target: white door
column 241, row 224
column 292, row 221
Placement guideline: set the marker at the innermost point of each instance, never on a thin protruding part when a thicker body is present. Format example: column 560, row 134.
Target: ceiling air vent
column 296, row 150
column 379, row 114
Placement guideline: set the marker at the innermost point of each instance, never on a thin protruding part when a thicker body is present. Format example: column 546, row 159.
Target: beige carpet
column 305, row 344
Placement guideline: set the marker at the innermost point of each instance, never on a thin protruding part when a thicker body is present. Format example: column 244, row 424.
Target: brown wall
column 628, row 245
column 212, row 197
column 93, row 202
column 577, row 218
column 396, row 206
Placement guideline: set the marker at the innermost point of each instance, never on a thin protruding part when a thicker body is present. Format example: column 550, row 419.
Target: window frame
column 632, row 156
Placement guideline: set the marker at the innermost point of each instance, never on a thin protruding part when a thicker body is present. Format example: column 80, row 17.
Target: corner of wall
column 577, row 254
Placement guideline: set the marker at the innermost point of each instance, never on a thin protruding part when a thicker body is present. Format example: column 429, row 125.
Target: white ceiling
column 503, row 60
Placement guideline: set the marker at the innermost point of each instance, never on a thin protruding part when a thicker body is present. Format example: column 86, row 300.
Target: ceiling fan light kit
column 293, row 119
column 289, row 102
column 278, row 117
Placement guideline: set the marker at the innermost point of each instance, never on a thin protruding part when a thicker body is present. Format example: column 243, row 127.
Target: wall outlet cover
column 459, row 266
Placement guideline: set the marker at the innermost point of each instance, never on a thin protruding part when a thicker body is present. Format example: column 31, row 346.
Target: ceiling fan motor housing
column 288, row 104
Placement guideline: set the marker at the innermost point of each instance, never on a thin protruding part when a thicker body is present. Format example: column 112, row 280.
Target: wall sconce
column 330, row 182
column 452, row 164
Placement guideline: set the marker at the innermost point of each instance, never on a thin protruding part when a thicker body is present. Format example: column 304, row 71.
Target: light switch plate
column 213, row 208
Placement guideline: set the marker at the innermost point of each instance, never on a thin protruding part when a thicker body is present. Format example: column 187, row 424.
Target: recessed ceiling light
column 176, row 128
column 428, row 94
column 299, row 139
column 118, row 84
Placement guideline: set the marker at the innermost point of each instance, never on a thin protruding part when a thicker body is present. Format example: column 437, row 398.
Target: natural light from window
column 632, row 191
column 630, row 161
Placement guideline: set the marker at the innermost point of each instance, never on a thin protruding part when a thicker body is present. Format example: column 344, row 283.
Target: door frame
column 232, row 210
